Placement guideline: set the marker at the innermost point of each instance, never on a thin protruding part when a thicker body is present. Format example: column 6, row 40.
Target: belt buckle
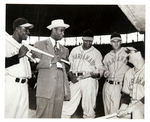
column 107, row 81
column 117, row 82
column 17, row 80
column 76, row 73
column 20, row 80
column 23, row 80
column 79, row 74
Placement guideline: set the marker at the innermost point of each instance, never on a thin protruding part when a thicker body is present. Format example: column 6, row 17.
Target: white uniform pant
column 87, row 89
column 111, row 97
column 138, row 112
column 16, row 98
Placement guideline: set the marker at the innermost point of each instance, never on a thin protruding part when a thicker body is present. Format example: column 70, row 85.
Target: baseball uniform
column 116, row 65
column 134, row 86
column 83, row 62
column 16, row 88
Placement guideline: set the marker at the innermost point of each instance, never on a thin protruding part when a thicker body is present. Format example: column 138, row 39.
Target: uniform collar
column 119, row 51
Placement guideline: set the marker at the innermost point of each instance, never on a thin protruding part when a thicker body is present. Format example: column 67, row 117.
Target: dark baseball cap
column 22, row 22
column 115, row 36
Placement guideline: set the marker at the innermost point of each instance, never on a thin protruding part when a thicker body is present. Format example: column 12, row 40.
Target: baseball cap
column 23, row 23
column 87, row 35
column 115, row 36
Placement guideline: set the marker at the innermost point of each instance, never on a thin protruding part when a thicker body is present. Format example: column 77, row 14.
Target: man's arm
column 106, row 69
column 67, row 58
column 10, row 61
column 125, row 99
column 99, row 67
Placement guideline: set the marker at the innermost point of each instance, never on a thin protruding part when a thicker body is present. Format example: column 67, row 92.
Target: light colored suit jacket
column 50, row 79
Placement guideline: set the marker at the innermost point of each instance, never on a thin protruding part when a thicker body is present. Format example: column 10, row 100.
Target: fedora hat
column 57, row 23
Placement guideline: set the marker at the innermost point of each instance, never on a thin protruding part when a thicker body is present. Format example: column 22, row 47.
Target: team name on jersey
column 84, row 57
column 118, row 59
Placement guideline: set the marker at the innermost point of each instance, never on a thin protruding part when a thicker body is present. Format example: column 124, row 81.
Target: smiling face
column 22, row 33
column 116, row 44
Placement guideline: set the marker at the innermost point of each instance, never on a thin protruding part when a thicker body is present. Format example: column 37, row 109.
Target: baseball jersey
column 134, row 83
column 21, row 69
column 116, row 64
column 85, row 60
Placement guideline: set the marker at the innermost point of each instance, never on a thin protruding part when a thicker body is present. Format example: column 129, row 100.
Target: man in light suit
column 52, row 74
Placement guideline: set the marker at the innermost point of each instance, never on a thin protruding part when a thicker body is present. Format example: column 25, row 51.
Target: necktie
column 56, row 49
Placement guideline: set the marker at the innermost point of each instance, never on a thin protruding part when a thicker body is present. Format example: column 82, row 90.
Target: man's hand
column 56, row 59
column 72, row 77
column 134, row 106
column 59, row 65
column 106, row 74
column 122, row 111
column 22, row 51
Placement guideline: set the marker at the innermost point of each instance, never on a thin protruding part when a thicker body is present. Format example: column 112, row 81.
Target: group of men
column 61, row 85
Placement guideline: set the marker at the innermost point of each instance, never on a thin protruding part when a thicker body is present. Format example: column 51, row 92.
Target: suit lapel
column 49, row 46
column 62, row 51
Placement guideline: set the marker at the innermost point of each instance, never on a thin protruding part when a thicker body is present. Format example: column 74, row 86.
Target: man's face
column 58, row 33
column 116, row 44
column 23, row 33
column 87, row 43
column 134, row 56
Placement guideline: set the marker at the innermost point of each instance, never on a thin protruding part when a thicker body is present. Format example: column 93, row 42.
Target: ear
column 110, row 42
column 17, row 29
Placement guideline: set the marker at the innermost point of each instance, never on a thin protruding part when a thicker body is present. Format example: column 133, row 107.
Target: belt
column 20, row 80
column 113, row 82
column 78, row 74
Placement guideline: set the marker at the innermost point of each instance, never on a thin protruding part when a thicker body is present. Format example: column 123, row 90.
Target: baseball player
column 86, row 66
column 17, row 71
column 133, row 88
column 115, row 63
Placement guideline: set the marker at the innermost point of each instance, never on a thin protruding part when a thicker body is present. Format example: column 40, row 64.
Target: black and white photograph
column 74, row 61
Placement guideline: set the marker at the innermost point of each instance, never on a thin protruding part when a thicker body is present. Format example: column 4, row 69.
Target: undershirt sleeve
column 10, row 61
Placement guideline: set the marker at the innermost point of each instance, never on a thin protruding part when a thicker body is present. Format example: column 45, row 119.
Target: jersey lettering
column 113, row 60
column 84, row 58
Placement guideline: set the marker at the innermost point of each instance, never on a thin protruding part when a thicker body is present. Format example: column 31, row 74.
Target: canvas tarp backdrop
column 136, row 15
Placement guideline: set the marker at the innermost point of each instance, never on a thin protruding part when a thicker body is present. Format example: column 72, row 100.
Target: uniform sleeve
column 11, row 55
column 98, row 64
column 71, row 59
column 126, row 82
column 105, row 62
column 67, row 54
